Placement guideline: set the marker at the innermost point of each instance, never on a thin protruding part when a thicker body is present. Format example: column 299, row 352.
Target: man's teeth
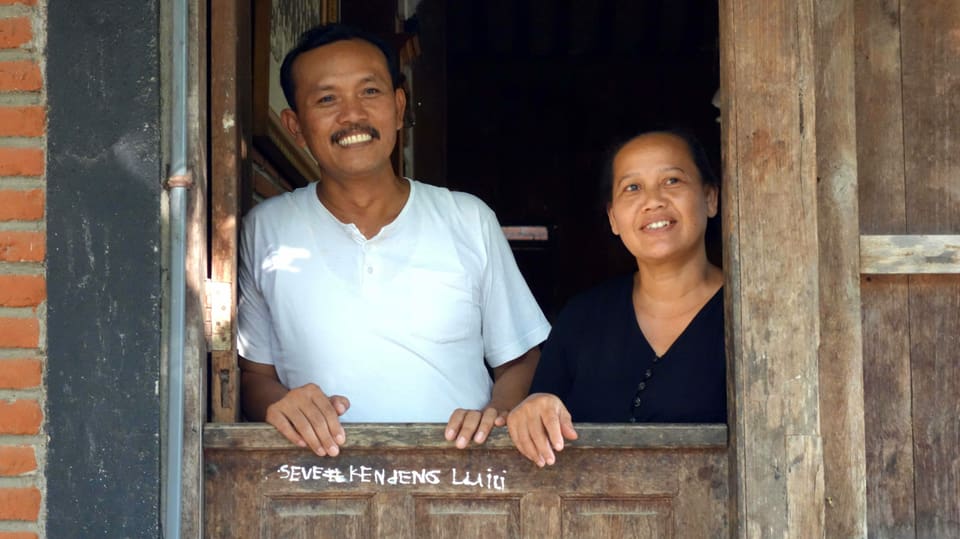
column 656, row 225
column 354, row 139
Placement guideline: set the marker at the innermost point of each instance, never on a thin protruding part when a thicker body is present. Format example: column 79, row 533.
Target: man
column 372, row 287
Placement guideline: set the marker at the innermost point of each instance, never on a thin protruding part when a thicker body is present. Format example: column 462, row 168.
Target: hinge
column 219, row 315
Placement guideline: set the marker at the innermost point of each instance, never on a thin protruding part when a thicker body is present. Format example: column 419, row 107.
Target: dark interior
column 518, row 102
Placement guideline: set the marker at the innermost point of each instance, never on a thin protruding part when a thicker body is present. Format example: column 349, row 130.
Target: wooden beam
column 838, row 228
column 909, row 254
column 769, row 112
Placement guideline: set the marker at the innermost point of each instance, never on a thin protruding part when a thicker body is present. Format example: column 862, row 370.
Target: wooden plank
column 887, row 400
column 378, row 491
column 772, row 283
column 909, row 254
column 838, row 229
column 540, row 515
column 229, row 168
column 258, row 436
column 931, row 112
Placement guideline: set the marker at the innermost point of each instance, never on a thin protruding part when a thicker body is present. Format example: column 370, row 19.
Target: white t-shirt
column 399, row 323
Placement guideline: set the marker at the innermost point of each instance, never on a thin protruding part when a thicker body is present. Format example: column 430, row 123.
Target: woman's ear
column 613, row 222
column 712, row 195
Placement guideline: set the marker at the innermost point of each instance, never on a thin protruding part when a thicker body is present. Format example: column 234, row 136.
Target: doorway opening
column 519, row 101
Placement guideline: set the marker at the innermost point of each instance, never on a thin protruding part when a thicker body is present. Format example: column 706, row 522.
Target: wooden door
column 404, row 481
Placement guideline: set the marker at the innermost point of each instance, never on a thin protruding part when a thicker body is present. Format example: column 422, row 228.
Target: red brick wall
column 23, row 287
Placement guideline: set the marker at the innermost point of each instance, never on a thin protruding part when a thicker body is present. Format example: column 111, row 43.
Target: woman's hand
column 538, row 426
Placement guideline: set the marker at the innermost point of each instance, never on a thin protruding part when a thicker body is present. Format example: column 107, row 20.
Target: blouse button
column 641, row 386
column 633, row 419
column 648, row 374
column 636, row 402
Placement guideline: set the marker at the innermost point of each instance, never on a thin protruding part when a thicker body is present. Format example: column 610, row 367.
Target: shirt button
column 648, row 374
column 636, row 402
column 370, row 269
column 633, row 420
column 641, row 386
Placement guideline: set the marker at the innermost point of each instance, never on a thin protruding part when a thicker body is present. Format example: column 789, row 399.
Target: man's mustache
column 353, row 129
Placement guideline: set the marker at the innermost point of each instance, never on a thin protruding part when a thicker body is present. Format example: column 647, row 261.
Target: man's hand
column 308, row 418
column 538, row 426
column 511, row 381
column 305, row 415
column 475, row 424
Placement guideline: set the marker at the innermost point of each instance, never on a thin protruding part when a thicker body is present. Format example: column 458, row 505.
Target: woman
column 647, row 347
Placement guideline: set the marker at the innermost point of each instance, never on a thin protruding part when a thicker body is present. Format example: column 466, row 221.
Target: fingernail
column 333, row 450
column 450, row 434
column 461, row 442
column 479, row 437
column 341, row 438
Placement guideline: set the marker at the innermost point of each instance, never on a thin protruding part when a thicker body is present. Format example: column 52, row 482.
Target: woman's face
column 660, row 206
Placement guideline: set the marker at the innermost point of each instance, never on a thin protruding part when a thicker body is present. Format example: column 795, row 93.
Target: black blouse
column 599, row 363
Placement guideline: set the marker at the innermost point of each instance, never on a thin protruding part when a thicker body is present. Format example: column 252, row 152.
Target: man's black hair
column 697, row 152
column 319, row 36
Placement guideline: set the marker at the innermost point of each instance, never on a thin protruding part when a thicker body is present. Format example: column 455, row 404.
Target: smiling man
column 367, row 297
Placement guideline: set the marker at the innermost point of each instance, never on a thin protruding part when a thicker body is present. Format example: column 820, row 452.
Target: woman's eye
column 632, row 187
column 671, row 181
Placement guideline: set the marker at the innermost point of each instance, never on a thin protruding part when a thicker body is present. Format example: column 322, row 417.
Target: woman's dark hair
column 319, row 36
column 699, row 154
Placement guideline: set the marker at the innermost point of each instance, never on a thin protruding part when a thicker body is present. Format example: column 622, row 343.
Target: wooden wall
column 908, row 154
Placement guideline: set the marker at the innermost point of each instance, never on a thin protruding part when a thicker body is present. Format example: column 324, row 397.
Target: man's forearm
column 512, row 381
column 258, row 392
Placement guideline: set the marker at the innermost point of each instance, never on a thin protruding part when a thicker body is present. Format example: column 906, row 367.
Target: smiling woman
column 647, row 347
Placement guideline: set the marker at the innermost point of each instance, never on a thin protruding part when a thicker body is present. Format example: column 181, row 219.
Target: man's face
column 348, row 113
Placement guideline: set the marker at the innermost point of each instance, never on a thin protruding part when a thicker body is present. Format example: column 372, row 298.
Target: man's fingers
column 453, row 426
column 286, row 429
column 470, row 422
column 542, row 444
column 487, row 421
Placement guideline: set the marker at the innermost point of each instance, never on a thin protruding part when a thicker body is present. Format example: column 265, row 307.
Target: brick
column 19, row 333
column 22, row 121
column 20, row 417
column 20, row 75
column 21, row 161
column 22, row 290
column 20, row 373
column 20, row 205
column 15, row 32
column 17, row 535
column 26, row 3
column 19, row 503
column 17, row 246
column 17, row 460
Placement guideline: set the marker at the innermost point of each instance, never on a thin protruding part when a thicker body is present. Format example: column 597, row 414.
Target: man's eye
column 325, row 99
column 371, row 91
column 671, row 181
column 632, row 187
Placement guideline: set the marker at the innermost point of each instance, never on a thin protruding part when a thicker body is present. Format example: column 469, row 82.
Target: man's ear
column 400, row 98
column 292, row 124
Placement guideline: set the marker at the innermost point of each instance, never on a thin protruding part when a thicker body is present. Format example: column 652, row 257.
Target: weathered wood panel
column 405, row 481
column 887, row 405
column 910, row 254
column 930, row 37
column 838, row 230
column 195, row 346
column 908, row 109
column 773, row 305
column 229, row 169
